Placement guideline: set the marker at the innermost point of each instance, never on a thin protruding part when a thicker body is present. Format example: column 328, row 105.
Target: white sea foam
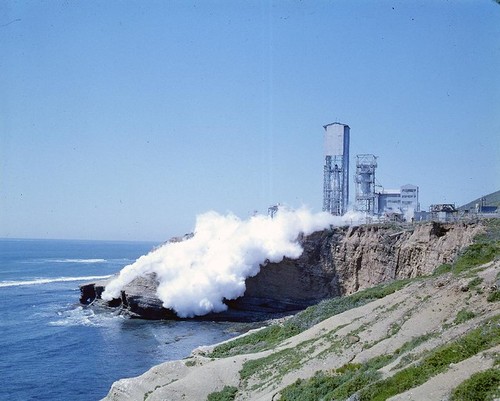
column 39, row 281
column 82, row 316
column 197, row 274
column 78, row 260
column 67, row 260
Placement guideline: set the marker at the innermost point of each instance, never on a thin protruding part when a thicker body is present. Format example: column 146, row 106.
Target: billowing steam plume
column 197, row 274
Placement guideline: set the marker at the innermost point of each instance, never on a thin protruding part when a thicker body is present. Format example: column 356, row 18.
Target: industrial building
column 402, row 200
column 368, row 199
column 381, row 202
column 364, row 180
column 443, row 212
column 336, row 169
column 388, row 200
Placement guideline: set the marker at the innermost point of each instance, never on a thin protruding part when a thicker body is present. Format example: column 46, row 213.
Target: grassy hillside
column 433, row 337
column 492, row 199
column 469, row 334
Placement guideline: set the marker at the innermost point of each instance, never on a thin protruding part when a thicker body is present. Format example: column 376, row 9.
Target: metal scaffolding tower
column 365, row 183
column 336, row 169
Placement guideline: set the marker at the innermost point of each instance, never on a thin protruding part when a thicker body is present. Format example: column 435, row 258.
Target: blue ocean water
column 53, row 348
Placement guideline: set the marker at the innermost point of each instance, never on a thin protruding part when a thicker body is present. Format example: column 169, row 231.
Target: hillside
column 422, row 338
column 492, row 199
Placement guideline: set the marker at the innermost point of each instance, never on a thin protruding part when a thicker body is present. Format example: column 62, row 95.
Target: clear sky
column 124, row 120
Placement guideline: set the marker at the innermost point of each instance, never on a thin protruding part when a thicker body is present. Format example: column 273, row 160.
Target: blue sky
column 124, row 120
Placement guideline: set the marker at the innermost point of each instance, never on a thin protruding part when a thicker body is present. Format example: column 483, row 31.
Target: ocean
column 53, row 348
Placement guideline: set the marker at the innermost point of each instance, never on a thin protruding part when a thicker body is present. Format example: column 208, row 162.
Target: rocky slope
column 335, row 262
column 419, row 338
column 442, row 329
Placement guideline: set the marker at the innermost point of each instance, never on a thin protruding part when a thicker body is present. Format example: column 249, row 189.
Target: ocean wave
column 66, row 260
column 39, row 281
column 82, row 316
column 78, row 260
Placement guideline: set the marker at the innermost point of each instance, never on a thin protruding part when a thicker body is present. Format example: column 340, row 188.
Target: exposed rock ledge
column 335, row 262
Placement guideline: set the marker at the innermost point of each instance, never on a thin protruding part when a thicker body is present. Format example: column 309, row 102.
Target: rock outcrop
column 335, row 262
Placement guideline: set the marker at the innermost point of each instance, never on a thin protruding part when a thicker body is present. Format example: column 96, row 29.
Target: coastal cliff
column 435, row 337
column 432, row 337
column 335, row 262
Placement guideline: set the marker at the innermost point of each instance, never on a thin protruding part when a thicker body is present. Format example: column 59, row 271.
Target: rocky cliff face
column 367, row 255
column 335, row 262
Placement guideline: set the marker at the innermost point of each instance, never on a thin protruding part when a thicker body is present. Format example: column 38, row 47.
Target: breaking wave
column 39, row 281
column 78, row 260
column 82, row 316
column 68, row 260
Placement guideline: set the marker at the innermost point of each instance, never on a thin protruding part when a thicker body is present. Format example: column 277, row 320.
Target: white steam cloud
column 197, row 274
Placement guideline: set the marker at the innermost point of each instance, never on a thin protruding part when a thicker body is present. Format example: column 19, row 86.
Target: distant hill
column 492, row 199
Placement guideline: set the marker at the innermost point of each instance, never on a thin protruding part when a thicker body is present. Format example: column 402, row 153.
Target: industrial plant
column 370, row 197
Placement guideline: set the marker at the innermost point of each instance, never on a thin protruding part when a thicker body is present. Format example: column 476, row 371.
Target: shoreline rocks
column 335, row 262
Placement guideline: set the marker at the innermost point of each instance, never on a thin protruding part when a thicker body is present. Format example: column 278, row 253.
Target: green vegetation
column 408, row 346
column 327, row 387
column 441, row 269
column 364, row 379
column 147, row 394
column 274, row 366
column 475, row 282
column 340, row 384
column 492, row 232
column 414, row 343
column 464, row 315
column 270, row 336
column 494, row 296
column 280, row 362
column 255, row 342
column 486, row 247
column 228, row 393
column 481, row 386
column 394, row 329
column 476, row 255
column 343, row 382
column 436, row 362
column 317, row 387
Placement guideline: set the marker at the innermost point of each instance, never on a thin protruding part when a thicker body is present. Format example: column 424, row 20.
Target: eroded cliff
column 335, row 262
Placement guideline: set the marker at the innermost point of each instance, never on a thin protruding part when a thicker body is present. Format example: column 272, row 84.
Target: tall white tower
column 336, row 169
